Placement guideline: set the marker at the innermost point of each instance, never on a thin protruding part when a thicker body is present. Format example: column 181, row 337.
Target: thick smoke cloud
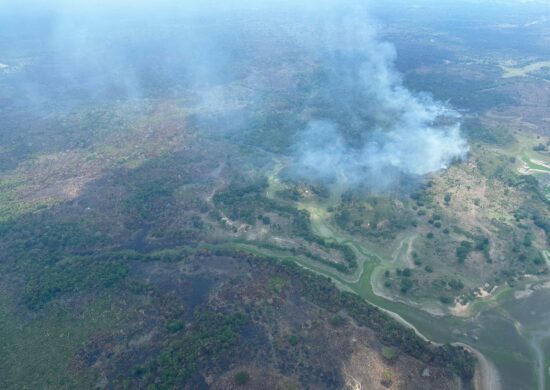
column 380, row 132
column 365, row 128
column 73, row 52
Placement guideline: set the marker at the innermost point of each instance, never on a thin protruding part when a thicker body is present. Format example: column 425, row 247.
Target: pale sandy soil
column 510, row 72
column 486, row 376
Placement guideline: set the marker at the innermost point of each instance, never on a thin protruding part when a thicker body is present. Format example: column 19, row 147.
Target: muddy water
column 508, row 332
column 514, row 336
column 533, row 313
column 512, row 332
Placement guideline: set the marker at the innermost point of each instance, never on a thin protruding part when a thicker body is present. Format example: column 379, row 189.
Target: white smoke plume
column 396, row 133
column 366, row 128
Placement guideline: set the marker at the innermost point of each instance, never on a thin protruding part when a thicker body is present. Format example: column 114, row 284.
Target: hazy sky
column 213, row 4
column 374, row 128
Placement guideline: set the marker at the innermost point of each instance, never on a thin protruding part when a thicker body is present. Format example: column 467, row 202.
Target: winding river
column 507, row 332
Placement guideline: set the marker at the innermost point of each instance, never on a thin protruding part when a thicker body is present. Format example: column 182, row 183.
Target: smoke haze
column 358, row 126
column 380, row 132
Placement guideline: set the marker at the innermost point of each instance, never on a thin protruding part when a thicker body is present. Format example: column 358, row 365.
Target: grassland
column 39, row 353
column 115, row 220
column 535, row 166
column 522, row 71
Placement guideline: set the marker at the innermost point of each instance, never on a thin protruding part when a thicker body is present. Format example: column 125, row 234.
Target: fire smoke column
column 395, row 133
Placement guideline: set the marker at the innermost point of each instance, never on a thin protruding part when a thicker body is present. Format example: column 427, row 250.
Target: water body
column 509, row 332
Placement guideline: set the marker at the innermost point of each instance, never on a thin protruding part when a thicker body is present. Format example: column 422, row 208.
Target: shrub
column 241, row 378
column 174, row 326
column 389, row 353
column 337, row 321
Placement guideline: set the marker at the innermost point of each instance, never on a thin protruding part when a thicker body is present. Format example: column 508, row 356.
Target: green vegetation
column 10, row 205
column 72, row 275
column 43, row 347
column 321, row 291
column 241, row 378
column 149, row 198
column 379, row 218
column 337, row 321
column 175, row 326
column 462, row 92
column 532, row 165
column 212, row 334
column 277, row 284
column 463, row 250
column 247, row 202
column 388, row 353
column 108, row 202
